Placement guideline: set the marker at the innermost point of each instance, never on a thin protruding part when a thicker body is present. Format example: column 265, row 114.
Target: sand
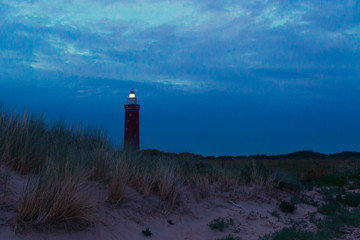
column 250, row 208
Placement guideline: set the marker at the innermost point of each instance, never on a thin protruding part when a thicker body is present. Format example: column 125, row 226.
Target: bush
column 351, row 199
column 347, row 217
column 229, row 237
column 290, row 233
column 288, row 182
column 305, row 200
column 332, row 179
column 355, row 184
column 287, row 206
column 332, row 193
column 329, row 207
column 275, row 214
column 221, row 223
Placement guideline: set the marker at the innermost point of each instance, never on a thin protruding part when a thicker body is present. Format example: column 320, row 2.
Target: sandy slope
column 189, row 220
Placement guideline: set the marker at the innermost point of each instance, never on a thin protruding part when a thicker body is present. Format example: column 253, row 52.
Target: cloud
column 206, row 45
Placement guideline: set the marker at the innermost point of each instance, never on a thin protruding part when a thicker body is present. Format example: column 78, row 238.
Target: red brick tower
column 131, row 133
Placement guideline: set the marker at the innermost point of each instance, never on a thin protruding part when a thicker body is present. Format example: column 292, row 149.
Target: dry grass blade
column 119, row 179
column 168, row 185
column 56, row 196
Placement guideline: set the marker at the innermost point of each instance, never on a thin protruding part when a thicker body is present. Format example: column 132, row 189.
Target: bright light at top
column 132, row 98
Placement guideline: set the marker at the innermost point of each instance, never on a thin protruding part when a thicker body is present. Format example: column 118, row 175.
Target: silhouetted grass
column 26, row 142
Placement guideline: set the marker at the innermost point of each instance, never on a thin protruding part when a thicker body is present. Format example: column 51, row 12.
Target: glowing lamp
column 132, row 98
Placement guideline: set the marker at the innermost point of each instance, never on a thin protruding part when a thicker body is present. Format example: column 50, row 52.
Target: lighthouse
column 131, row 133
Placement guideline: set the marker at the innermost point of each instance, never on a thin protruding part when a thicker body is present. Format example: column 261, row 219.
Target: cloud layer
column 190, row 43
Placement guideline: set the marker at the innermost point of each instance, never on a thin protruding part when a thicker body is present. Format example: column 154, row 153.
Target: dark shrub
column 221, row 223
column 287, row 206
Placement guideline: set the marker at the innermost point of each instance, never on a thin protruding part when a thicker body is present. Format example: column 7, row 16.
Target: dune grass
column 119, row 179
column 57, row 195
column 27, row 141
column 4, row 179
column 60, row 159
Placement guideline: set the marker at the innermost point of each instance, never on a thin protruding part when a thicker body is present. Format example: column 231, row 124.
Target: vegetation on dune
column 27, row 142
column 60, row 159
column 288, row 207
column 339, row 212
column 56, row 195
column 221, row 223
column 146, row 232
column 290, row 233
column 119, row 178
column 229, row 237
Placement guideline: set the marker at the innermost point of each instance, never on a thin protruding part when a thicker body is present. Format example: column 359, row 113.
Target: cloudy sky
column 212, row 77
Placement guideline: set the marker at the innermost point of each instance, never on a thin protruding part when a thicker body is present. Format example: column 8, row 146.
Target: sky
column 212, row 77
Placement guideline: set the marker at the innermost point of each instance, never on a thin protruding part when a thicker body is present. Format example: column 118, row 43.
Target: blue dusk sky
column 212, row 77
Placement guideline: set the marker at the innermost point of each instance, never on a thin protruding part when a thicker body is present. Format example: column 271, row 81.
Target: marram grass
column 61, row 159
column 56, row 195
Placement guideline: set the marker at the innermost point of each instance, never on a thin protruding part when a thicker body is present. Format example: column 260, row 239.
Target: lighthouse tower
column 131, row 133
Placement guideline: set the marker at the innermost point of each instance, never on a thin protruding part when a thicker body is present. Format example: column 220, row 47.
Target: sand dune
column 250, row 208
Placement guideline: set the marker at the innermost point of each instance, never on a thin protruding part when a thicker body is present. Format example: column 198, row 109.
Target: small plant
column 351, row 199
column 252, row 215
column 305, row 200
column 221, row 223
column 348, row 217
column 330, row 207
column 229, row 237
column 355, row 184
column 289, row 182
column 332, row 193
column 332, row 179
column 287, row 207
column 6, row 180
column 147, row 232
column 290, row 233
column 312, row 217
column 275, row 214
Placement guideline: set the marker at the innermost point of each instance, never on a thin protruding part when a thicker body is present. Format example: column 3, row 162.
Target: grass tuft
column 57, row 195
column 119, row 179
